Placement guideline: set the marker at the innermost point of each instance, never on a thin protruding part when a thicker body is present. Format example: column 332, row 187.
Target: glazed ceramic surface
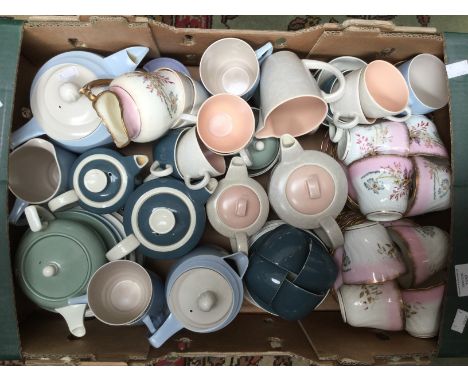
column 166, row 62
column 344, row 64
column 424, row 137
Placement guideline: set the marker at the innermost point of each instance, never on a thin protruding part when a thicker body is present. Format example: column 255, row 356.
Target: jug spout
column 125, row 60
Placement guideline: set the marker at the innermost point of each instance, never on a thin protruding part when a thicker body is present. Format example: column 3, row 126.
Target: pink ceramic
column 376, row 306
column 382, row 184
column 424, row 249
column 423, row 310
column 424, row 138
column 432, row 186
column 225, row 123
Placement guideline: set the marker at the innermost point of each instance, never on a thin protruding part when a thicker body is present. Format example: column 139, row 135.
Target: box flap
column 10, row 43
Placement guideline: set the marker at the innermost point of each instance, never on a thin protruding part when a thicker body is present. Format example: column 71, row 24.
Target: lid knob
column 259, row 146
column 69, row 92
column 241, row 207
column 95, row 180
column 50, row 270
column 162, row 220
column 313, row 187
column 206, row 301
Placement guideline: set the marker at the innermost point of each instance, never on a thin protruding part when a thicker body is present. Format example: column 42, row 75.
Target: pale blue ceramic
column 166, row 62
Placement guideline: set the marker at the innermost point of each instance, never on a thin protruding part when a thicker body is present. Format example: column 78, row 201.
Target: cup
column 383, row 186
column 231, row 66
column 423, row 310
column 344, row 64
column 182, row 154
column 425, row 252
column 377, row 306
column 37, row 171
column 383, row 91
column 166, row 62
column 200, row 95
column 291, row 101
column 123, row 293
column 381, row 138
column 432, row 186
column 427, row 81
column 424, row 138
column 369, row 255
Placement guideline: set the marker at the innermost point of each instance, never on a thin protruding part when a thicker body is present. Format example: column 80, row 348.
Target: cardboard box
column 40, row 337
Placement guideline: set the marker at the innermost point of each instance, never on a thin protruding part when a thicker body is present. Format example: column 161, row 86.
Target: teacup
column 423, row 310
column 344, row 64
column 291, row 101
column 166, row 62
column 383, row 186
column 383, row 91
column 380, row 138
column 427, row 81
column 377, row 306
column 37, row 171
column 424, row 250
column 369, row 255
column 424, row 138
column 182, row 154
column 231, row 66
column 432, row 186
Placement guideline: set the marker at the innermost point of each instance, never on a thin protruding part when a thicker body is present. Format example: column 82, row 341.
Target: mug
column 166, row 62
column 377, row 306
column 37, row 171
column 383, row 91
column 423, row 310
column 291, row 101
column 383, row 186
column 432, row 186
column 427, row 81
column 424, row 138
column 369, row 255
column 381, row 138
column 425, row 251
column 231, row 66
column 122, row 293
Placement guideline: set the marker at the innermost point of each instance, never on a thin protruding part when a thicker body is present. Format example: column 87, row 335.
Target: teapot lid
column 57, row 104
column 238, row 206
column 201, row 299
column 56, row 264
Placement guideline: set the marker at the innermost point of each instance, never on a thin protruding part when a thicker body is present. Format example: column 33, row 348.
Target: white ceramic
column 344, row 64
column 308, row 189
column 381, row 138
column 424, row 137
column 200, row 95
column 378, row 306
column 370, row 256
column 239, row 206
column 383, row 185
column 423, row 309
column 231, row 66
column 291, row 101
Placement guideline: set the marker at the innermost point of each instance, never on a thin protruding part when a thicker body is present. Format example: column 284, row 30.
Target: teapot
column 308, row 189
column 204, row 292
column 101, row 180
column 60, row 111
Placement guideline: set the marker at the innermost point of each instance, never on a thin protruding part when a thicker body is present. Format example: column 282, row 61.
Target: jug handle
column 240, row 243
column 263, row 52
column 124, row 248
column 332, row 235
column 338, row 93
column 66, row 200
column 30, row 130
column 170, row 327
column 38, row 217
column 74, row 316
column 87, row 89
column 17, row 211
column 408, row 115
column 242, row 261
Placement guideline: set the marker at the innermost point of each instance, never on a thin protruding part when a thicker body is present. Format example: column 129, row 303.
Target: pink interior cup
column 225, row 123
column 216, row 161
column 130, row 113
column 386, row 85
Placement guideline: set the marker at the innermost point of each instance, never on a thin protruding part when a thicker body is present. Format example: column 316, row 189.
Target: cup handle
column 124, row 248
column 63, row 201
column 246, row 157
column 338, row 93
column 188, row 118
column 86, row 90
column 240, row 242
column 149, row 323
column 263, row 52
column 345, row 125
column 38, row 217
column 17, row 211
column 197, row 186
column 157, row 172
column 335, row 133
column 74, row 316
column 332, row 232
column 170, row 327
column 407, row 116
column 30, row 130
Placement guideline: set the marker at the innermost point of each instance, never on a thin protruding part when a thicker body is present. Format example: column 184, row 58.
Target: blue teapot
column 60, row 111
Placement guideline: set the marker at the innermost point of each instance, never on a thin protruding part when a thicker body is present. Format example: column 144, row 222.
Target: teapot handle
column 240, row 243
column 330, row 232
column 242, row 261
column 38, row 217
column 66, row 200
column 87, row 89
column 170, row 327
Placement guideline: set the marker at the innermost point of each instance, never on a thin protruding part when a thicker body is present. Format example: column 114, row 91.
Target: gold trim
column 416, row 289
column 415, row 185
column 348, row 218
column 407, row 254
column 87, row 89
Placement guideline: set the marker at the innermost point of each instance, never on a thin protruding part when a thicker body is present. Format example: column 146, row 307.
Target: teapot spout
column 290, row 148
column 125, row 60
column 136, row 163
column 203, row 194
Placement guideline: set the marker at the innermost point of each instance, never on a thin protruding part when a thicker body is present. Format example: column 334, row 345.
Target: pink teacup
column 382, row 184
column 432, row 186
column 423, row 310
column 424, row 250
column 424, row 137
column 376, row 306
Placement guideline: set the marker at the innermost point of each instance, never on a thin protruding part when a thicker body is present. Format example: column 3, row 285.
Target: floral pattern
column 426, row 231
column 370, row 146
column 388, row 250
column 369, row 294
column 346, row 263
column 412, row 309
column 441, row 185
column 420, row 135
column 400, row 177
